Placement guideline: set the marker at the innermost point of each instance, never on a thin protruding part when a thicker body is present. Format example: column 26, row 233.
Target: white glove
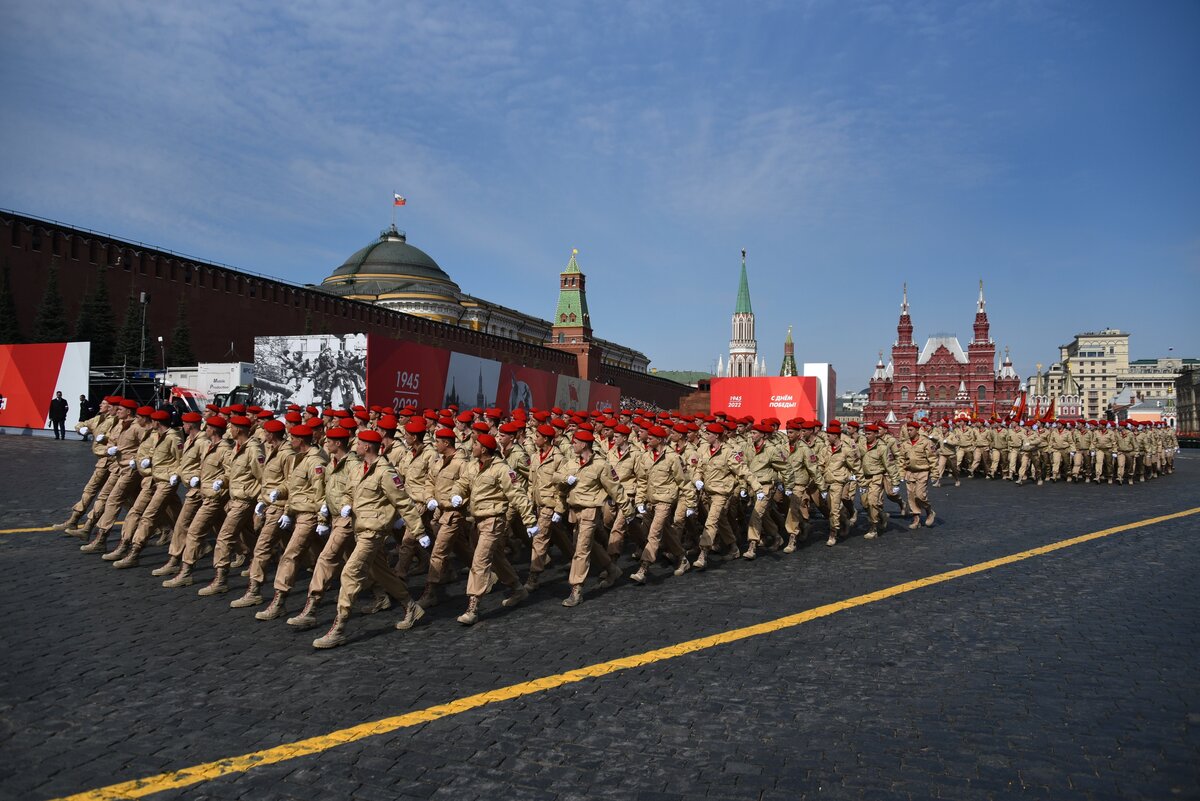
column 571, row 480
column 174, row 481
column 345, row 510
column 258, row 508
column 1072, row 453
column 424, row 540
column 531, row 531
column 895, row 490
column 145, row 464
column 787, row 492
column 641, row 508
column 1114, row 456
column 324, row 510
column 132, row 463
column 760, row 495
column 217, row 485
column 194, row 482
column 853, row 477
column 322, row 530
column 100, row 438
column 1091, row 453
column 824, row 495
column 743, row 493
column 456, row 501
column 699, row 484
column 285, row 521
column 273, row 496
column 83, row 430
column 432, row 505
column 554, row 518
column 689, row 512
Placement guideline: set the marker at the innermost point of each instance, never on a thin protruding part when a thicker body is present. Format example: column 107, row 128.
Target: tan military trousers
column 489, row 555
column 994, row 461
column 209, row 517
column 191, row 504
column 103, row 495
column 621, row 528
column 414, row 529
column 873, row 501
column 716, row 524
column 238, row 514
column 761, row 519
column 133, row 517
column 124, row 491
column 93, row 486
column 587, row 527
column 918, row 491
column 663, row 533
column 836, row 507
column 303, row 532
column 266, row 543
column 1013, row 458
column 450, row 536
column 1103, row 464
column 550, row 533
column 800, row 505
column 338, row 545
column 163, row 504
column 368, row 561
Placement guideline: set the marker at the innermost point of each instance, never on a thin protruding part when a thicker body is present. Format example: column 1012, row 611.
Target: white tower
column 743, row 346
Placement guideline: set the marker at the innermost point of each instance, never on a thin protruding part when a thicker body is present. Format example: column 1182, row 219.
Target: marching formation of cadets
column 367, row 498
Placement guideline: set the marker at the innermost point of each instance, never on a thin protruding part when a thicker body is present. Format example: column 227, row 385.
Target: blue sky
column 1047, row 148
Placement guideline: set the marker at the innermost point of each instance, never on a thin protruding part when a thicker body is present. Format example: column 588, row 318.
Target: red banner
column 781, row 397
column 31, row 374
column 402, row 373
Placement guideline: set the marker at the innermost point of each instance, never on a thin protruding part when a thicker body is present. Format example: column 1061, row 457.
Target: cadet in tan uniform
column 660, row 485
column 808, row 481
column 447, row 523
column 840, row 464
column 98, row 427
column 210, row 482
column 140, row 464
column 372, row 497
column 413, row 463
column 271, row 508
column 623, row 456
column 719, row 473
column 589, row 483
column 341, row 469
column 768, row 467
column 304, row 499
column 490, row 487
column 164, row 499
column 241, row 477
column 917, row 459
column 191, row 450
column 877, row 466
column 124, row 438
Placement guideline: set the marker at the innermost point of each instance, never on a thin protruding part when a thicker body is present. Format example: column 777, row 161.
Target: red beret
column 494, row 414
column 337, row 433
column 584, row 436
column 301, row 431
column 265, row 414
column 764, row 428
column 680, row 428
column 387, row 423
column 292, row 417
column 408, row 411
column 244, row 422
column 240, row 408
column 215, row 422
column 274, row 426
column 715, row 428
column 161, row 416
column 558, row 423
column 546, row 431
column 347, row 424
column 510, row 428
column 541, row 416
column 362, row 415
column 145, row 411
column 255, row 409
column 430, row 414
column 370, row 435
column 444, row 433
column 556, row 410
column 212, row 407
column 292, row 407
column 313, row 410
column 872, row 427
column 415, row 425
column 488, row 441
column 191, row 417
column 586, row 427
column 481, row 427
column 465, row 417
column 657, row 431
column 621, row 428
column 446, row 422
column 853, row 424
column 315, row 423
column 835, row 427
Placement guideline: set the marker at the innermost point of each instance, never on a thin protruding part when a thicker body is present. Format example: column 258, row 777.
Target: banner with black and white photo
column 324, row 370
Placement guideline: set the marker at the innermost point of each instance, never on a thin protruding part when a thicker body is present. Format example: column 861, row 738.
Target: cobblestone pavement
column 1068, row 675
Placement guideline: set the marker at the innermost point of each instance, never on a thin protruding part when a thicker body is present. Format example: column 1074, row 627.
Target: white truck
column 212, row 378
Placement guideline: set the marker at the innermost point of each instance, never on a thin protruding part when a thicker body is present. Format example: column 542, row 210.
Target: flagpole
column 393, row 210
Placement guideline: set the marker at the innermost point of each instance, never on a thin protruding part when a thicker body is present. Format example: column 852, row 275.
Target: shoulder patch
column 399, row 482
column 319, row 470
column 261, row 460
column 512, row 476
column 613, row 470
column 737, row 457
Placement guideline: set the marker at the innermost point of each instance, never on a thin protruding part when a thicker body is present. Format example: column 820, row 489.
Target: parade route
column 1039, row 642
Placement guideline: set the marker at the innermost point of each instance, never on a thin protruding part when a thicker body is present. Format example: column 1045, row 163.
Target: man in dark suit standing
column 58, row 415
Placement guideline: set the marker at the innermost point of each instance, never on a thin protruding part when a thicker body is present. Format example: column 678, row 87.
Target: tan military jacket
column 689, row 457
column 127, row 441
column 624, row 463
column 414, row 471
column 164, row 459
column 544, row 491
column 306, row 481
column 243, row 469
column 145, row 450
column 1032, row 441
column 596, row 482
column 373, row 492
column 1104, row 440
column 338, row 476
column 100, row 425
column 839, row 465
column 661, row 479
column 444, row 476
column 1013, row 439
column 722, row 470
column 805, row 465
column 518, row 461
column 916, row 456
column 879, row 461
column 275, row 468
column 212, row 467
column 1059, row 440
column 190, row 455
column 491, row 491
column 769, row 466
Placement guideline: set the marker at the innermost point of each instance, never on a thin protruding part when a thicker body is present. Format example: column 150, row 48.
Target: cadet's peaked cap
column 370, row 435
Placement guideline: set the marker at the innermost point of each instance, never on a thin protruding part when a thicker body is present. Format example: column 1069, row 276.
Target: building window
column 561, row 337
column 36, row 243
column 572, row 317
column 982, row 392
column 904, row 394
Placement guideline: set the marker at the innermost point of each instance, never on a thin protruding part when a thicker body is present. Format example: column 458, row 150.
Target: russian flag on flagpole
column 400, row 201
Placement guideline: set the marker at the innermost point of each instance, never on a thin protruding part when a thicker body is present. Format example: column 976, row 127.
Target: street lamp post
column 145, row 298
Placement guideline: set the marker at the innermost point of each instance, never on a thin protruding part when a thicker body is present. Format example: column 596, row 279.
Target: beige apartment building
column 1095, row 367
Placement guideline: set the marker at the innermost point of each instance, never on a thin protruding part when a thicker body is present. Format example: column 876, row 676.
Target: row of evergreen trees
column 95, row 323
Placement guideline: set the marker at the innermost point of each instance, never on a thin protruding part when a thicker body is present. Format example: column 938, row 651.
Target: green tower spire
column 572, row 311
column 789, row 356
column 743, row 298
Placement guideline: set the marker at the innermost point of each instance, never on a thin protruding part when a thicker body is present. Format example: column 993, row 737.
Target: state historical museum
column 941, row 379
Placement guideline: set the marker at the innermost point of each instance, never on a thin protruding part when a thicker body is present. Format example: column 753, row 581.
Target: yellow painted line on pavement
column 173, row 780
column 42, row 528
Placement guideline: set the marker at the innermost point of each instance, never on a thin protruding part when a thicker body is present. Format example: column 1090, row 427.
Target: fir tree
column 50, row 324
column 10, row 332
column 181, row 354
column 95, row 323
